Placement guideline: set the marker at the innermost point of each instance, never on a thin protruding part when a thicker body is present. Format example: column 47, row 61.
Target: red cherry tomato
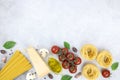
column 55, row 49
column 73, row 69
column 64, row 51
column 62, row 57
column 77, row 60
column 70, row 56
column 105, row 73
column 65, row 64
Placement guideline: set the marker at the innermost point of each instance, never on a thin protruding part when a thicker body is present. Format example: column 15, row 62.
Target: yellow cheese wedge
column 38, row 63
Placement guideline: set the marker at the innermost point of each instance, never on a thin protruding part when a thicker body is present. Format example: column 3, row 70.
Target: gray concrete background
column 46, row 22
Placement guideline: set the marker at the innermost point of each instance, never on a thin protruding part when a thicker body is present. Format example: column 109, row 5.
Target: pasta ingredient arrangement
column 68, row 59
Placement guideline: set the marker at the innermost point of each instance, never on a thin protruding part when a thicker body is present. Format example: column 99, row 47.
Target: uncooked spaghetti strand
column 10, row 60
column 11, row 64
column 21, row 68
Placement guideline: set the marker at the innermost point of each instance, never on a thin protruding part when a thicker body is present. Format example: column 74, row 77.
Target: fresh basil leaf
column 66, row 45
column 115, row 66
column 66, row 77
column 9, row 44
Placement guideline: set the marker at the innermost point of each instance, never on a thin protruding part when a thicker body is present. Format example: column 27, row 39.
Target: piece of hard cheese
column 38, row 63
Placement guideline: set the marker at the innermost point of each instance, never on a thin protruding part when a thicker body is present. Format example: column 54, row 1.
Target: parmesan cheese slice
column 38, row 63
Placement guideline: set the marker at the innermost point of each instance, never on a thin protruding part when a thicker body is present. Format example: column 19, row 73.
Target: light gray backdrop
column 46, row 22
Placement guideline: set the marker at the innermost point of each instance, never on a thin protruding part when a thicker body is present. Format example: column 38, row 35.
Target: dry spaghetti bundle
column 17, row 65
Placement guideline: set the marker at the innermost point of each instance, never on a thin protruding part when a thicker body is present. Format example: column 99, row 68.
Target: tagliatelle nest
column 90, row 71
column 105, row 59
column 89, row 52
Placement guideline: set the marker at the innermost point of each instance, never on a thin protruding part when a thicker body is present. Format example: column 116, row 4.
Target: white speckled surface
column 46, row 22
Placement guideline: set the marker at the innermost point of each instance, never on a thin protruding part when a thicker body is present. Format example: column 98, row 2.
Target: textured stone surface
column 46, row 22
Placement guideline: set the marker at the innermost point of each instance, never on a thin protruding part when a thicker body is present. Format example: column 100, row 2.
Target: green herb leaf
column 9, row 44
column 66, row 45
column 66, row 77
column 114, row 66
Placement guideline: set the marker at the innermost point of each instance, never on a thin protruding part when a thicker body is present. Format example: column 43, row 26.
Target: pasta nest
column 90, row 71
column 89, row 52
column 105, row 59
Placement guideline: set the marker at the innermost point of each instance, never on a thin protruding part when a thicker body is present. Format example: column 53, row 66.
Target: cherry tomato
column 62, row 57
column 77, row 60
column 73, row 69
column 65, row 64
column 70, row 56
column 105, row 73
column 64, row 51
column 55, row 49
